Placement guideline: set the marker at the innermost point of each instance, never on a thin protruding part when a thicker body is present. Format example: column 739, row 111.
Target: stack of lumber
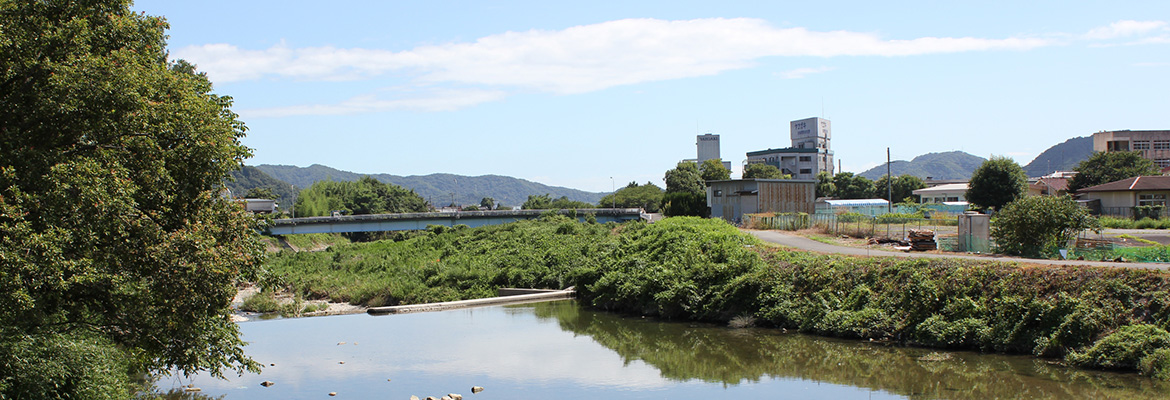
column 922, row 240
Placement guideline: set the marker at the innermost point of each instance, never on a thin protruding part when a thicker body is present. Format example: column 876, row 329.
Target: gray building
column 810, row 152
column 708, row 145
column 1154, row 145
column 731, row 199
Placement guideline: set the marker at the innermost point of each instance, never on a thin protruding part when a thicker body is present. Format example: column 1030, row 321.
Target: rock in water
column 476, row 389
column 267, row 383
column 454, row 396
column 332, row 393
column 413, row 397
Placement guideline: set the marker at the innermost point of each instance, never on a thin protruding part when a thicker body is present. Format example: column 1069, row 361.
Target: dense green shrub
column 1036, row 225
column 63, row 366
column 1132, row 346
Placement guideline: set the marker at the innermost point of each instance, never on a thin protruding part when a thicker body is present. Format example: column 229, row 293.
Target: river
column 559, row 350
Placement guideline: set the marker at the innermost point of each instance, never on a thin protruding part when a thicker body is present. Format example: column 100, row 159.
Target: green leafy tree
column 114, row 235
column 488, row 203
column 1104, row 167
column 364, row 196
column 685, row 191
column 1036, row 225
column 647, row 197
column 684, row 178
column 713, row 170
column 903, row 187
column 763, row 171
column 849, row 186
column 825, row 187
column 996, row 183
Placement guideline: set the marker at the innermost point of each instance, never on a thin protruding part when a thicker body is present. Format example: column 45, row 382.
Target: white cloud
column 437, row 100
column 803, row 72
column 579, row 59
column 1125, row 28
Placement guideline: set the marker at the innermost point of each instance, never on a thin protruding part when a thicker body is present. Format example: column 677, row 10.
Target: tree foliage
column 546, row 202
column 684, row 178
column 825, row 187
column 713, row 170
column 763, row 171
column 849, row 186
column 487, row 203
column 647, row 197
column 903, row 187
column 364, row 196
column 1104, row 167
column 996, row 183
column 1036, row 225
column 110, row 168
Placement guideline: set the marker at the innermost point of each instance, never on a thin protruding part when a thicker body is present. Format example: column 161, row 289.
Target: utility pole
column 889, row 184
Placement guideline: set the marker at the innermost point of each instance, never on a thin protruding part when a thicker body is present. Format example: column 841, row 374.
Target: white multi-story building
column 811, row 150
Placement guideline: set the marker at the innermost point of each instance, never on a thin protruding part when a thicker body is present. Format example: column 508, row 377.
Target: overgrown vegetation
column 1033, row 226
column 1127, row 223
column 364, row 196
column 696, row 269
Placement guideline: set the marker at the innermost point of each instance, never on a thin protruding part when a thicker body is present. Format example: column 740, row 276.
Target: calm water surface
column 562, row 351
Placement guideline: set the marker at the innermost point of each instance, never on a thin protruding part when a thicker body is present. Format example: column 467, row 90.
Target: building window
column 1141, row 145
column 805, row 159
column 805, row 171
column 1163, row 163
column 1162, row 145
column 1117, row 145
column 1151, row 199
column 718, row 193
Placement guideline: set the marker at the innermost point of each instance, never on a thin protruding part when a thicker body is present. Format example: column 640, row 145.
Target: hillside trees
column 115, row 242
column 1104, row 167
column 364, row 196
column 996, row 183
column 647, row 197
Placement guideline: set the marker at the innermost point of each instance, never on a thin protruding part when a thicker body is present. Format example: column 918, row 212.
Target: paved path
column 793, row 240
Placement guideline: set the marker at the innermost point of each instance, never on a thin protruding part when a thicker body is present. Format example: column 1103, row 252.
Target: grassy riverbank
column 685, row 268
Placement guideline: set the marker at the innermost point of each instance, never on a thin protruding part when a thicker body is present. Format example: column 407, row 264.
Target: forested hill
column 437, row 188
column 949, row 165
column 250, row 178
column 1061, row 157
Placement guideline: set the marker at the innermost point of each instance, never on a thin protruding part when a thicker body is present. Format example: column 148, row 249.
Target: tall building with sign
column 811, row 151
column 708, row 145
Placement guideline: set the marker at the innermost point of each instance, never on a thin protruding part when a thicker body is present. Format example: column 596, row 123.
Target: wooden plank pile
column 922, row 240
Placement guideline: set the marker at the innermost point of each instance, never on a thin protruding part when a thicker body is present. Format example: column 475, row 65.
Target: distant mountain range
column 1062, row 157
column 439, row 189
column 948, row 165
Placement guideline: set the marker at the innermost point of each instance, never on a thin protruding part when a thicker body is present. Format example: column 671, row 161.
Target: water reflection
column 559, row 350
column 684, row 352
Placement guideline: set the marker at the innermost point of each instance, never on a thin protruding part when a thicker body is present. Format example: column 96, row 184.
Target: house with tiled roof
column 1048, row 187
column 1128, row 193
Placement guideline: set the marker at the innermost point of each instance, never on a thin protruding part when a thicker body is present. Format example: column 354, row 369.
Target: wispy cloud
column 1121, row 29
column 436, row 100
column 581, row 58
column 584, row 58
column 802, row 72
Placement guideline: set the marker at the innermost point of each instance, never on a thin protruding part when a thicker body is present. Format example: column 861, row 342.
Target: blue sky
column 573, row 93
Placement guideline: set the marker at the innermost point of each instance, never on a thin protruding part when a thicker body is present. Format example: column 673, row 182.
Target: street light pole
column 613, row 192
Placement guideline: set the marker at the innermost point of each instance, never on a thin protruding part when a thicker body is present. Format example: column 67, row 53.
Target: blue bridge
column 419, row 221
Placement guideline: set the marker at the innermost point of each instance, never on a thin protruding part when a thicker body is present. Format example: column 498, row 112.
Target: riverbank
column 706, row 270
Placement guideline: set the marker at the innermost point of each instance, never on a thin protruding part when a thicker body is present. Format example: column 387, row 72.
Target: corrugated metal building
column 731, row 199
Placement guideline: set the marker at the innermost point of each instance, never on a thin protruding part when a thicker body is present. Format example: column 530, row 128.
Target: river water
column 559, row 350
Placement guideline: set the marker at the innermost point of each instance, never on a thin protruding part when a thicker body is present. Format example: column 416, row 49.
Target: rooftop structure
column 809, row 154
